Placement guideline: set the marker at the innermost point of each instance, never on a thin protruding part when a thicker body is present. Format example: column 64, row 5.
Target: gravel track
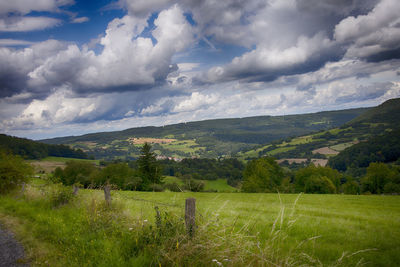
column 11, row 252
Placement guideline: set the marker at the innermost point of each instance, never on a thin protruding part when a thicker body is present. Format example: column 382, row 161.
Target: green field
column 243, row 229
column 219, row 185
column 186, row 146
column 342, row 146
column 64, row 160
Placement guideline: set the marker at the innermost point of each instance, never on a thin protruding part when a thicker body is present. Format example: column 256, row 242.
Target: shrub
column 61, row 195
column 319, row 185
column 351, row 188
column 13, row 172
column 194, row 185
column 156, row 188
column 174, row 187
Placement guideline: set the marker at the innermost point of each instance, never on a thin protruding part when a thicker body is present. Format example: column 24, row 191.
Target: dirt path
column 11, row 252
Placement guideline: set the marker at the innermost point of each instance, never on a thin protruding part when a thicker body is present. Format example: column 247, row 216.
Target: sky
column 70, row 67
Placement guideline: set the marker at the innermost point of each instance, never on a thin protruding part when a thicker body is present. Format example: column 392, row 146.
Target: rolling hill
column 375, row 122
column 209, row 138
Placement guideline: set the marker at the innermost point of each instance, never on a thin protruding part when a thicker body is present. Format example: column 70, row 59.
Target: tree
column 119, row 174
column 319, row 185
column 313, row 177
column 262, row 175
column 13, row 171
column 378, row 175
column 148, row 168
column 351, row 187
column 76, row 172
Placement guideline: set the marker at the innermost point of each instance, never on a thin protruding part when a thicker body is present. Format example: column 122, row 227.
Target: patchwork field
column 320, row 162
column 339, row 230
column 143, row 140
column 49, row 164
column 325, row 151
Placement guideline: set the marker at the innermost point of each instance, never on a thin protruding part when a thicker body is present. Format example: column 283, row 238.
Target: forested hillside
column 381, row 148
column 29, row 149
column 328, row 143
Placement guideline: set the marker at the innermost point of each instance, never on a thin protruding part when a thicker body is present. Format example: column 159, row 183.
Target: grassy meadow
column 234, row 229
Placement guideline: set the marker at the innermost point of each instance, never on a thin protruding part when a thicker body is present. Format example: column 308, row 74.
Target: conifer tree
column 149, row 170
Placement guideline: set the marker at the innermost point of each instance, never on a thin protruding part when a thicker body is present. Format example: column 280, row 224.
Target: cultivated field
column 338, row 230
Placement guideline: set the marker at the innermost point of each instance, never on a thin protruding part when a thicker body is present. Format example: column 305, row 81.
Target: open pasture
column 339, row 223
column 338, row 230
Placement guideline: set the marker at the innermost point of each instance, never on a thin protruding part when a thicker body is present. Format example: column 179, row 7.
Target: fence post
column 107, row 194
column 23, row 189
column 190, row 216
column 76, row 189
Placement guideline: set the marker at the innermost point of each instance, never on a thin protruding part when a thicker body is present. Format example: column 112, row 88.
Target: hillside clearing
column 325, row 151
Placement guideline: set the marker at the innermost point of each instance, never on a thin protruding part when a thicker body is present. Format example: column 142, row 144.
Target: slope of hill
column 325, row 144
column 30, row 149
column 210, row 138
column 381, row 148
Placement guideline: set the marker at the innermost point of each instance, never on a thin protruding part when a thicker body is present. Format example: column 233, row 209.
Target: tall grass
column 85, row 231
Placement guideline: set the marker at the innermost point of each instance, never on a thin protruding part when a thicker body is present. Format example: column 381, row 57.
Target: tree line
column 265, row 175
column 29, row 149
column 259, row 175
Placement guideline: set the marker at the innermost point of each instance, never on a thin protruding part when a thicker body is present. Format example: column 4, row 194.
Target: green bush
column 313, row 179
column 351, row 188
column 61, row 195
column 156, row 188
column 194, row 185
column 173, row 187
column 13, row 172
column 319, row 185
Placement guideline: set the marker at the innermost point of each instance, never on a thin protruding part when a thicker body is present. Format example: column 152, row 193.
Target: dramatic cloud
column 127, row 61
column 16, row 64
column 167, row 61
column 375, row 36
column 267, row 64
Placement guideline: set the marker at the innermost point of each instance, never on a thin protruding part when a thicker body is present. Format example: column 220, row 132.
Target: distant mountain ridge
column 208, row 138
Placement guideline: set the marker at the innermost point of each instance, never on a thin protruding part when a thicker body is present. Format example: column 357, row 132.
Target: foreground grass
column 234, row 229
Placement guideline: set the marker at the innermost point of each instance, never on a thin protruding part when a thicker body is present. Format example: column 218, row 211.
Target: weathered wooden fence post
column 22, row 189
column 190, row 216
column 76, row 189
column 158, row 217
column 107, row 194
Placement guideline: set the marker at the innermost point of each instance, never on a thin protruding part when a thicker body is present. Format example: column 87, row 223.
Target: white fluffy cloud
column 127, row 58
column 142, row 8
column 370, row 34
column 23, row 24
column 266, row 63
column 13, row 42
column 26, row 6
column 80, row 20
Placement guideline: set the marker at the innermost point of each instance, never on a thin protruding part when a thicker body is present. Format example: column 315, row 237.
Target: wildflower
column 217, row 262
